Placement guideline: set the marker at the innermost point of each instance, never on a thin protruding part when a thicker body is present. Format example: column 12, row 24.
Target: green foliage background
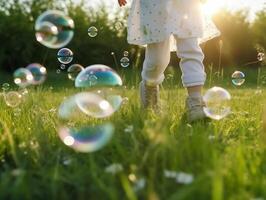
column 241, row 38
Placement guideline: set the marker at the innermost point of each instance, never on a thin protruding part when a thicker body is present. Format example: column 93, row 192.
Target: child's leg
column 193, row 74
column 157, row 58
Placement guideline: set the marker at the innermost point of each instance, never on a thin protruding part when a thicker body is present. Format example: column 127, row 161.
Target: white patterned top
column 152, row 21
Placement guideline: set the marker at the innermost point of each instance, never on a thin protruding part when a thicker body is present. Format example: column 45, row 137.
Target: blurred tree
column 236, row 39
column 19, row 46
column 259, row 28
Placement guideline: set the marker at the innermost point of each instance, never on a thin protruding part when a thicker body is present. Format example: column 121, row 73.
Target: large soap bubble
column 23, row 77
column 76, row 131
column 103, row 84
column 54, row 29
column 217, row 103
column 96, row 76
column 38, row 72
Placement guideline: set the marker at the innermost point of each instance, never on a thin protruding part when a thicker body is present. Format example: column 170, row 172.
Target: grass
column 226, row 158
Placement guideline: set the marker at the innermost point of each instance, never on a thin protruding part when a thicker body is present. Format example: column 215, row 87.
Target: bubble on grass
column 23, row 77
column 217, row 103
column 38, row 72
column 73, row 71
column 92, row 31
column 54, row 29
column 238, row 78
column 58, row 71
column 261, row 56
column 114, row 168
column 65, row 56
column 12, row 99
column 96, row 76
column 125, row 62
column 5, row 87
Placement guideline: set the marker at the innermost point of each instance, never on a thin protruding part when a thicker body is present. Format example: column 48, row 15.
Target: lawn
column 222, row 159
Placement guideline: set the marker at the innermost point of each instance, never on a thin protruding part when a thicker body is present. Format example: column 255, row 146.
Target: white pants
column 157, row 58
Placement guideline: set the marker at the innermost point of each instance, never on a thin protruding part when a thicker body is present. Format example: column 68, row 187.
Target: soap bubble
column 38, row 72
column 75, row 130
column 23, row 77
column 96, row 76
column 58, row 71
column 96, row 104
column 238, row 78
column 5, row 87
column 54, row 29
column 217, row 103
column 63, row 67
column 92, row 31
column 126, row 53
column 73, row 71
column 261, row 56
column 65, row 56
column 103, row 83
column 124, row 62
column 13, row 99
column 86, row 139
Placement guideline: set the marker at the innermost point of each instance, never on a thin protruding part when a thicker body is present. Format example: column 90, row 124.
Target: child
column 164, row 25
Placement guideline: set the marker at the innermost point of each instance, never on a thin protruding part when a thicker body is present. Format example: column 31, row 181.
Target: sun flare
column 213, row 6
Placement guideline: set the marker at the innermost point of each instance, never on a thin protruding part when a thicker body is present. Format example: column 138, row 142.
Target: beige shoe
column 194, row 107
column 149, row 96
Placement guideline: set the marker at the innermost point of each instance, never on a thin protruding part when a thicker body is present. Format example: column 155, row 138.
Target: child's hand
column 122, row 2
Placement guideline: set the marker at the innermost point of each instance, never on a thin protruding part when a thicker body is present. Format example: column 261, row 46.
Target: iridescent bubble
column 65, row 56
column 238, row 78
column 92, row 31
column 261, row 56
column 54, row 29
column 13, row 99
column 125, row 62
column 96, row 76
column 39, row 73
column 99, row 104
column 75, row 131
column 73, row 71
column 5, row 87
column 58, row 71
column 23, row 77
column 126, row 53
column 86, row 138
column 217, row 103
